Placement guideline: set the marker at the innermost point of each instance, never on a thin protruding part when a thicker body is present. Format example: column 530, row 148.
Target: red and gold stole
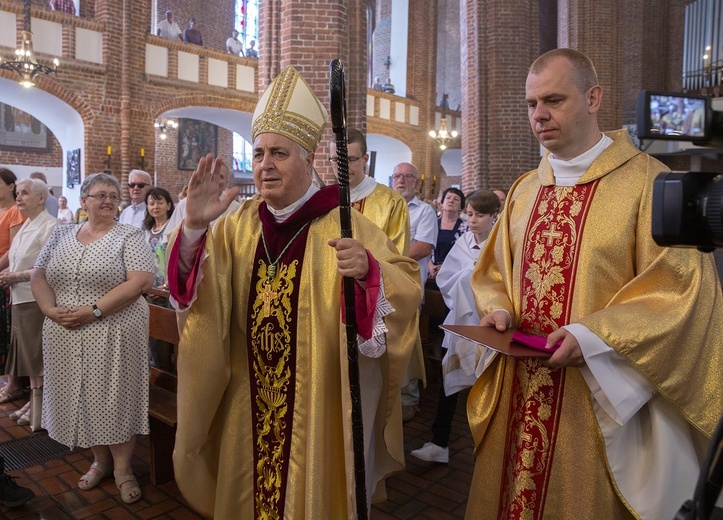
column 271, row 340
column 549, row 266
column 359, row 205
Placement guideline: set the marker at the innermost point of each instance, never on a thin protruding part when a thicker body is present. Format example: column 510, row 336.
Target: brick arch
column 387, row 130
column 71, row 98
column 56, row 90
column 202, row 100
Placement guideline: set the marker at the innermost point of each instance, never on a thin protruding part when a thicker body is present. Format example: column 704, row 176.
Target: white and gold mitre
column 289, row 107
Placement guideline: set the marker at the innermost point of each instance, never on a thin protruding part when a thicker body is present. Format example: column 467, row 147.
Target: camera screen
column 677, row 116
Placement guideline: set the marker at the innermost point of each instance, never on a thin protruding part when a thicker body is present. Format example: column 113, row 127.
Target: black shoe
column 12, row 495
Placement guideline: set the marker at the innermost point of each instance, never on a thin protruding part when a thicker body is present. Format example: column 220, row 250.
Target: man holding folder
column 614, row 423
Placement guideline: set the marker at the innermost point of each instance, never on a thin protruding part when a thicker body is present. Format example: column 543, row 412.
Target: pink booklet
column 536, row 342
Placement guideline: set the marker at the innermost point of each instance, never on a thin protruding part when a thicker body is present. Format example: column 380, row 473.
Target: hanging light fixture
column 443, row 136
column 25, row 64
column 164, row 125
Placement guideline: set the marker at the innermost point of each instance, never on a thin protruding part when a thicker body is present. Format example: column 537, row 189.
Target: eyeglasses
column 139, row 185
column 102, row 196
column 351, row 159
column 406, row 176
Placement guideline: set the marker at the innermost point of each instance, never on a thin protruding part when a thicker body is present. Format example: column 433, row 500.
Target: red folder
column 501, row 342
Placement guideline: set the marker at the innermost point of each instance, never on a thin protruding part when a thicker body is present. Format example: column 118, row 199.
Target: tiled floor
column 425, row 491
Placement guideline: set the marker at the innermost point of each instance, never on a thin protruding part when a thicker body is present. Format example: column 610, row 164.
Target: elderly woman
column 25, row 357
column 65, row 215
column 88, row 281
column 10, row 221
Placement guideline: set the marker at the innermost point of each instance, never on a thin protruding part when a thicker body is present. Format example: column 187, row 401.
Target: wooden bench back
column 163, row 326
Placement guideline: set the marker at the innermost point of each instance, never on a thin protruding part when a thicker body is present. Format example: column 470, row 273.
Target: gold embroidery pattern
column 549, row 255
column 277, row 117
column 549, row 263
column 532, row 420
column 271, row 352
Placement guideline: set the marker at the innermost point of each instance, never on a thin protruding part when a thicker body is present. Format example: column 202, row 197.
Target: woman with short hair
column 459, row 365
column 88, row 281
column 65, row 215
column 25, row 357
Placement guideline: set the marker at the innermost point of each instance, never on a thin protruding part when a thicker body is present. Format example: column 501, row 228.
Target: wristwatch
column 97, row 312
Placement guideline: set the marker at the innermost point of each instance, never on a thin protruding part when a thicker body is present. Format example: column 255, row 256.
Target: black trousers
column 446, row 406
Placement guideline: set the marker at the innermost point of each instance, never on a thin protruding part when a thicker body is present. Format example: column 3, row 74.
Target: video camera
column 687, row 207
column 688, row 212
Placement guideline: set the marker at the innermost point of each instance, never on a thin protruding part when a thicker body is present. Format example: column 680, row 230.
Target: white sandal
column 17, row 414
column 128, row 493
column 93, row 480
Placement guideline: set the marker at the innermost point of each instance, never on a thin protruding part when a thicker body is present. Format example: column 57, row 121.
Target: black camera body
column 688, row 210
column 687, row 207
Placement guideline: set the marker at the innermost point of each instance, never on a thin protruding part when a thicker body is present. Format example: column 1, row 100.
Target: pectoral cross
column 267, row 297
column 551, row 234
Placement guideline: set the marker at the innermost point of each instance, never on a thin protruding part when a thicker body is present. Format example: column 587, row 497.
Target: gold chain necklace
column 271, row 270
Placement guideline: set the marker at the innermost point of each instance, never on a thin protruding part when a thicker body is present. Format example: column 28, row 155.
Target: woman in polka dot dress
column 88, row 281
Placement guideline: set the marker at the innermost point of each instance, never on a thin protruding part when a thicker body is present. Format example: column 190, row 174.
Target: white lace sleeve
column 377, row 344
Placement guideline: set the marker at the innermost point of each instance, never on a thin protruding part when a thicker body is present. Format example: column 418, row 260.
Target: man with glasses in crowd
column 139, row 184
column 380, row 204
column 423, row 237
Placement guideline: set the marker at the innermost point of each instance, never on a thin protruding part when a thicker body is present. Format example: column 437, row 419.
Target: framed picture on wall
column 20, row 131
column 195, row 140
column 73, row 168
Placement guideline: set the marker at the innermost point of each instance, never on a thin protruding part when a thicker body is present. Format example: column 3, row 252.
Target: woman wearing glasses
column 88, row 281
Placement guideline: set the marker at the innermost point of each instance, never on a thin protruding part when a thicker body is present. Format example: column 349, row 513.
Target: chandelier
column 443, row 136
column 25, row 64
column 164, row 125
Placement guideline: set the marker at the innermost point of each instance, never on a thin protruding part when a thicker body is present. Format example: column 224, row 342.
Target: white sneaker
column 432, row 453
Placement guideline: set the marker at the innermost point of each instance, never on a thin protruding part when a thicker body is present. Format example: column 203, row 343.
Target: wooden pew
column 162, row 409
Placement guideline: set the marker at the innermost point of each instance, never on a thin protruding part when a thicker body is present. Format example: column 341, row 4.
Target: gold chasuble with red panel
column 585, row 255
column 550, row 260
column 264, row 412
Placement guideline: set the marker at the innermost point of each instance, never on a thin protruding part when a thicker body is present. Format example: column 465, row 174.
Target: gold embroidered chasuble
column 660, row 308
column 388, row 210
column 293, row 443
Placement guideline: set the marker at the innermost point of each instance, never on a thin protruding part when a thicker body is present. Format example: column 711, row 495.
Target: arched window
column 242, row 152
column 247, row 21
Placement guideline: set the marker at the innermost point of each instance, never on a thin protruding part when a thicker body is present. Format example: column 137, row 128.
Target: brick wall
column 497, row 143
column 634, row 46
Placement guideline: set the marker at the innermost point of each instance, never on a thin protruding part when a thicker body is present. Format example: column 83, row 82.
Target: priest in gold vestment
column 264, row 410
column 377, row 202
column 615, row 423
column 388, row 210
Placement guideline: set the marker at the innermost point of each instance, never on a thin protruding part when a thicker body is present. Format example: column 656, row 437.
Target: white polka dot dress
column 96, row 377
